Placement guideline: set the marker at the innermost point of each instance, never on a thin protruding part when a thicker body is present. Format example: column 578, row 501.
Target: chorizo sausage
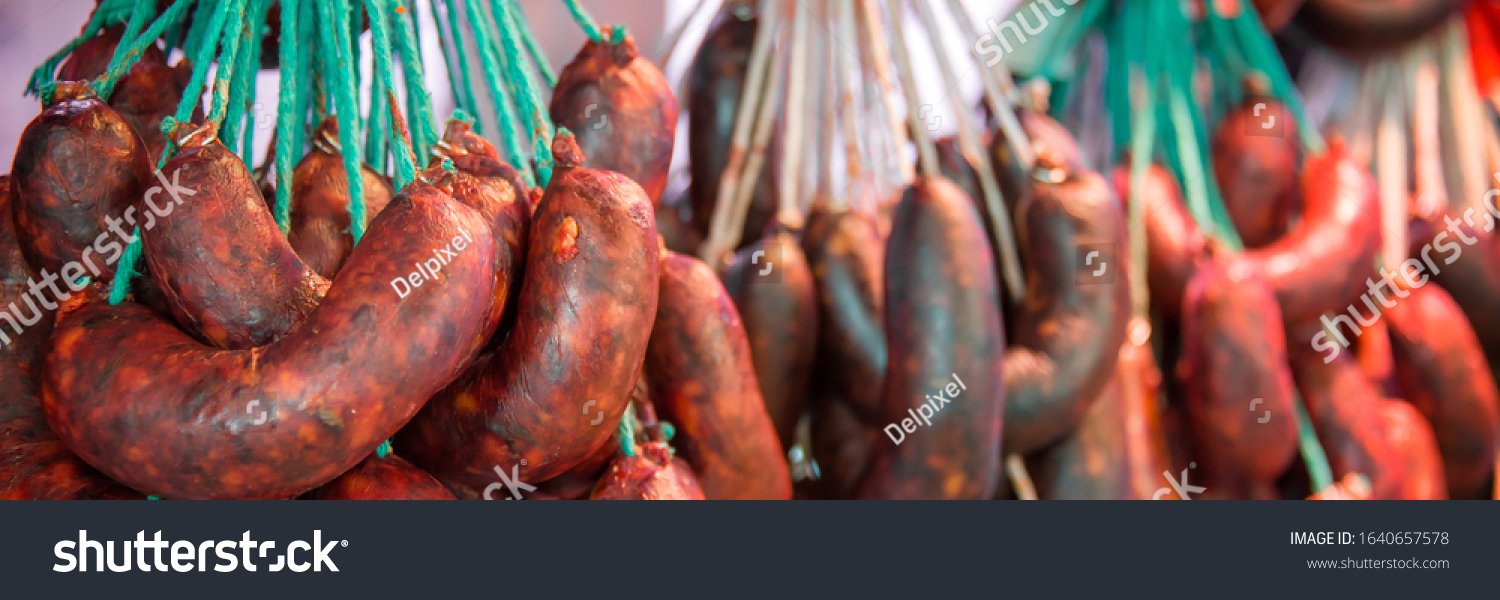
column 1256, row 173
column 1119, row 449
column 1234, row 353
column 1343, row 404
column 698, row 367
column 1412, row 440
column 1067, row 337
column 652, row 474
column 79, row 168
column 842, row 442
column 622, row 111
column 320, row 213
column 389, row 478
column 1466, row 264
column 1441, row 370
column 773, row 289
column 942, row 321
column 160, row 412
column 1175, row 247
column 228, row 275
column 474, row 155
column 149, row 91
column 583, row 322
column 715, row 84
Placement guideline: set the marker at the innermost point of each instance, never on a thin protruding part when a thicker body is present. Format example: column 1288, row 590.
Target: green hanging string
column 460, row 78
column 109, row 12
column 418, row 101
column 138, row 17
column 241, row 79
column 380, row 44
column 288, row 115
column 625, row 433
column 406, row 168
column 309, row 98
column 335, row 61
column 453, row 75
column 233, row 49
column 585, row 22
column 133, row 45
column 190, row 98
column 539, row 58
column 199, row 28
column 489, row 56
column 525, row 91
column 249, row 72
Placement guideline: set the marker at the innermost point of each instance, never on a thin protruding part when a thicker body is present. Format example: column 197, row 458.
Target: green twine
column 524, row 89
column 668, row 431
column 228, row 64
column 133, row 45
column 380, row 43
column 152, row 498
column 461, row 78
column 138, row 17
column 383, row 449
column 310, row 87
column 418, row 101
column 406, row 168
column 242, row 79
column 585, row 22
column 626, row 431
column 489, row 56
column 518, row 21
column 287, row 116
column 108, row 13
column 249, row 71
column 460, row 115
column 331, row 21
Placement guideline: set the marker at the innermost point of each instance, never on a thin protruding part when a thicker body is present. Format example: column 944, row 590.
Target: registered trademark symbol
column 346, row 543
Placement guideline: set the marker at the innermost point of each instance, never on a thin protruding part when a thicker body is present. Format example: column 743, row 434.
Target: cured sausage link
column 1175, row 247
column 1067, row 335
column 389, row 478
column 845, row 252
column 228, row 275
column 942, row 318
column 583, row 322
column 164, row 414
column 699, row 372
column 320, row 217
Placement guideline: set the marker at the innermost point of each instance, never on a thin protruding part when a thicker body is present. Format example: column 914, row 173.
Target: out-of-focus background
column 31, row 30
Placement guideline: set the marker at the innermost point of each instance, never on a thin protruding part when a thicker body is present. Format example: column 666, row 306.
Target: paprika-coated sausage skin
column 701, row 379
column 846, row 254
column 389, row 478
column 622, row 111
column 1413, row 441
column 652, row 474
column 321, row 214
column 942, row 319
column 1256, row 173
column 1235, row 352
column 166, row 415
column 79, row 169
column 580, row 335
column 1441, row 370
column 228, row 275
column 1175, row 247
column 1067, row 334
column 149, row 91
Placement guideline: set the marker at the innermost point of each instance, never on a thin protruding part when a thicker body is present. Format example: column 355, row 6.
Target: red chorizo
column 699, row 370
column 149, row 91
column 162, row 413
column 1175, row 247
column 622, row 111
column 389, row 478
column 715, row 84
column 583, row 322
column 1234, row 353
column 652, row 474
column 218, row 256
column 1068, row 332
column 320, row 213
column 773, row 290
column 1441, row 370
column 1412, row 440
column 945, row 338
column 1464, row 258
column 1256, row 173
column 1119, row 449
column 79, row 169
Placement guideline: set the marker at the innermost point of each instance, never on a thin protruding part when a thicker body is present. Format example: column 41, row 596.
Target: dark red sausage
column 1411, row 439
column 79, row 169
column 622, row 111
column 942, row 322
column 1441, row 370
column 475, row 156
column 1324, row 263
column 845, row 252
column 1234, row 351
column 217, row 255
column 149, row 91
column 583, row 323
column 699, row 369
column 715, row 83
column 842, row 442
column 1462, row 255
column 166, row 415
column 1119, row 449
column 1344, row 405
column 1256, row 173
column 652, row 474
column 389, row 478
column 1175, row 247
column 773, row 289
column 320, row 212
column 1067, row 335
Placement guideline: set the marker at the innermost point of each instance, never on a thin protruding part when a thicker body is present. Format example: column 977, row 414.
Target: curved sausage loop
column 164, row 414
column 388, row 478
column 580, row 337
